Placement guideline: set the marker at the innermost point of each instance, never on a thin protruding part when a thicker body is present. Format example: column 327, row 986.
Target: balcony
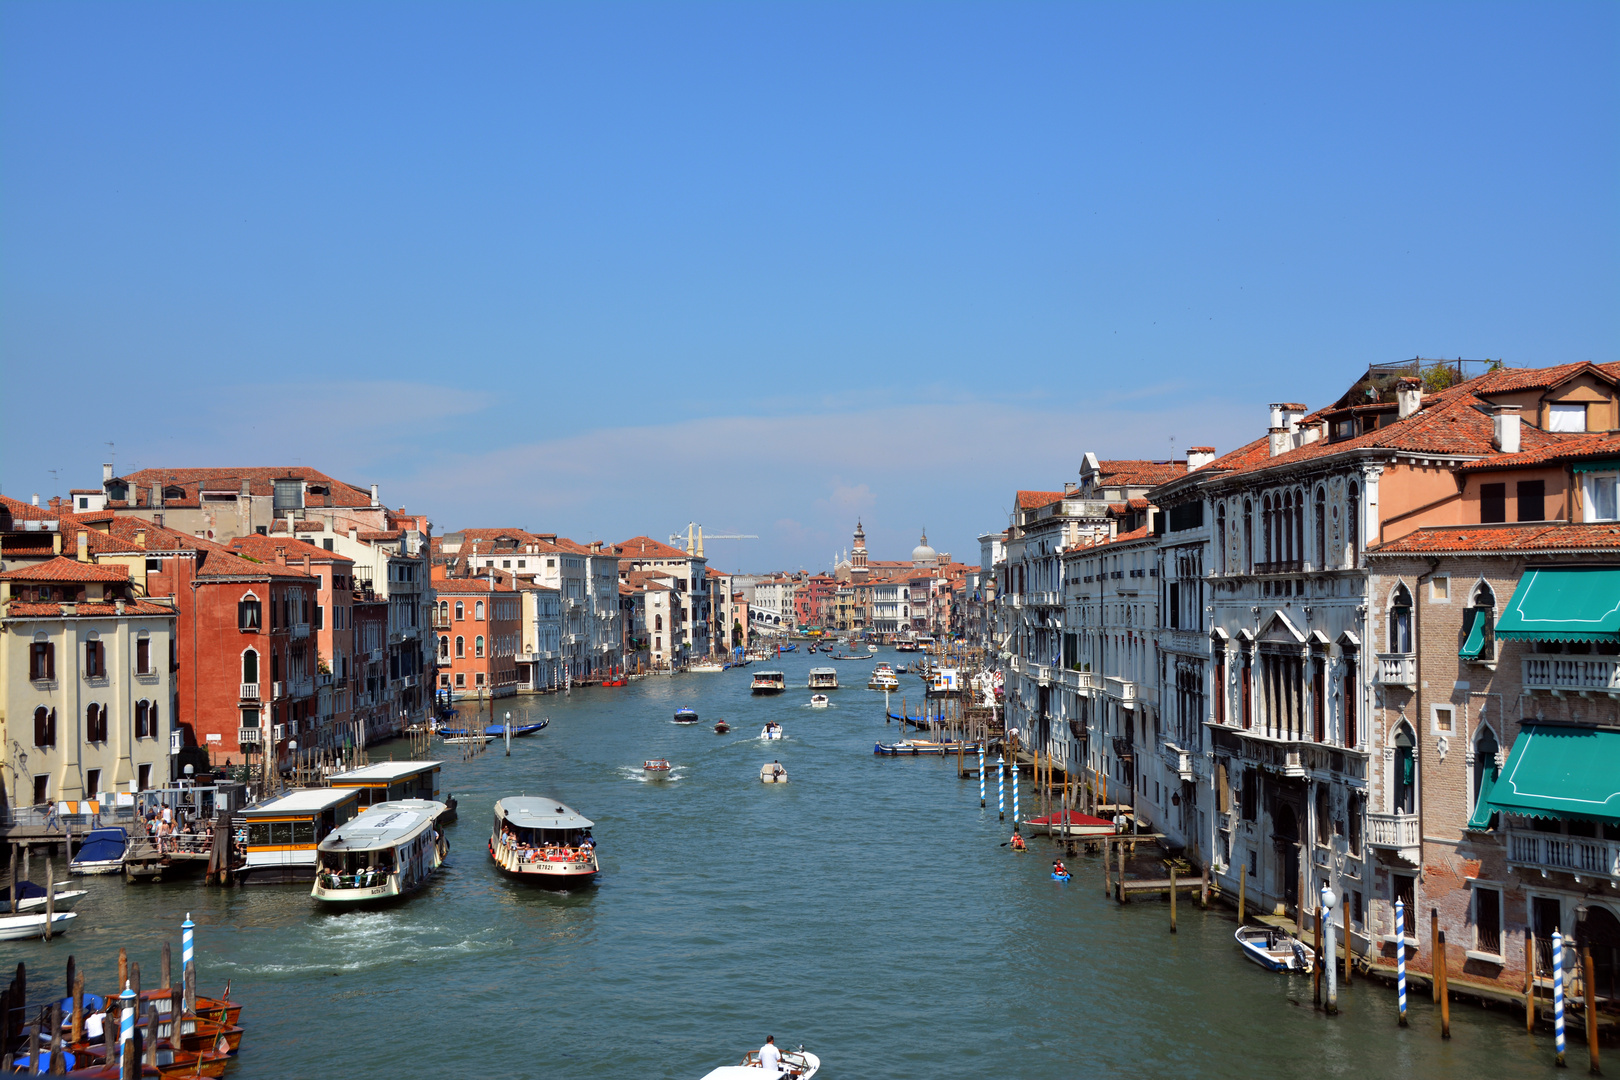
column 1578, row 855
column 441, row 622
column 300, row 688
column 1078, row 680
column 298, row 630
column 396, row 638
column 1394, row 832
column 323, row 679
column 375, row 656
column 1397, row 669
column 1015, row 600
column 1176, row 759
column 1122, row 690
column 1042, row 673
column 278, row 690
column 249, row 736
column 1582, row 675
column 250, row 691
column 1046, row 599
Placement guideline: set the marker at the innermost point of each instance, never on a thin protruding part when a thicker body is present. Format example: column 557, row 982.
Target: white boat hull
column 23, row 927
column 798, row 1064
column 772, row 774
column 535, row 866
column 36, row 904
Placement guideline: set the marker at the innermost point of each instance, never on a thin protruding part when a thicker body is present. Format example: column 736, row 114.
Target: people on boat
column 1017, row 841
column 770, row 1058
column 777, row 770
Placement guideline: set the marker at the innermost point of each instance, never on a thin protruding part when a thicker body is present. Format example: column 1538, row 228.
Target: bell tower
column 858, row 569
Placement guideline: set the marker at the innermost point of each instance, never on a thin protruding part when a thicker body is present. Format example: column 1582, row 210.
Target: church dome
column 922, row 554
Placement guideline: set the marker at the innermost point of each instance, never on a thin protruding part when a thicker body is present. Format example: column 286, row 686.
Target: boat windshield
column 380, row 860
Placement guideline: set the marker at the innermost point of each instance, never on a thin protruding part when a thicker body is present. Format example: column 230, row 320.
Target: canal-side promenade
column 865, row 909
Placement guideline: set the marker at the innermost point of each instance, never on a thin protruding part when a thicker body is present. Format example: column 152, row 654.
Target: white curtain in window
column 1566, row 418
column 1600, row 497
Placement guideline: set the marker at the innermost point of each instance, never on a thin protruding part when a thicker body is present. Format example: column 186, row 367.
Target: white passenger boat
column 768, row 682
column 390, row 850
column 797, row 1064
column 23, row 927
column 819, row 701
column 1274, row 949
column 539, row 839
column 883, row 680
column 823, row 678
column 772, row 730
column 706, row 667
column 772, row 773
column 280, row 834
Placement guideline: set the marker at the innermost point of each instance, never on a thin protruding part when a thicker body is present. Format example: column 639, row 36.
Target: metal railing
column 299, row 630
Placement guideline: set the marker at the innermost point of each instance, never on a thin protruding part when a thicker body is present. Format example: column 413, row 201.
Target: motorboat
column 466, row 737
column 1069, row 823
column 31, row 898
column 540, row 839
column 871, row 648
column 819, row 701
column 768, row 682
column 771, row 730
column 23, row 927
column 656, row 768
column 101, row 853
column 686, row 716
column 391, row 850
column 883, row 680
column 620, row 681
column 772, row 773
column 1274, row 949
column 919, row 747
column 797, row 1064
column 721, row 727
column 706, row 666
column 823, row 678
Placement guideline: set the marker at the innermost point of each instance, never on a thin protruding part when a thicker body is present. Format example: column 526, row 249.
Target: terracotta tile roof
column 261, row 481
column 1560, row 448
column 65, row 569
column 217, row 561
column 21, row 511
column 1530, row 537
column 1139, row 473
column 378, row 534
column 645, row 547
column 1032, row 500
column 28, row 545
column 93, row 609
column 263, row 548
column 1510, row 379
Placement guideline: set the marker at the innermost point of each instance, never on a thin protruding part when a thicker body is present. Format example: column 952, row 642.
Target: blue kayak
column 1061, row 877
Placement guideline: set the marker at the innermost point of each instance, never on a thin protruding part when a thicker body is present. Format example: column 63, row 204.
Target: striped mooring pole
column 981, row 775
column 1015, row 786
column 1001, row 787
column 185, row 942
column 1558, row 996
column 1400, row 958
column 126, row 1020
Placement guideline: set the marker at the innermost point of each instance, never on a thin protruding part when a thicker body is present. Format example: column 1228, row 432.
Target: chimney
column 1505, row 428
column 106, row 471
column 374, row 501
column 140, row 538
column 354, row 534
column 281, row 556
column 1408, row 397
column 84, row 546
column 36, row 498
column 306, row 562
column 1070, row 487
column 1199, row 456
column 157, row 495
column 247, row 489
column 1281, row 443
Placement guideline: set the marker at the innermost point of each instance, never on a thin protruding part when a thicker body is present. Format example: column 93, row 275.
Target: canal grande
column 865, row 909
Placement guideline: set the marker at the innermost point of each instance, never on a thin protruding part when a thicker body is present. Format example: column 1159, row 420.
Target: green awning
column 1474, row 643
column 1565, row 604
column 1480, row 819
column 1561, row 772
column 1605, row 465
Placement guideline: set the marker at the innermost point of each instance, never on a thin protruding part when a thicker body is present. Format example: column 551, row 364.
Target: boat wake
column 640, row 775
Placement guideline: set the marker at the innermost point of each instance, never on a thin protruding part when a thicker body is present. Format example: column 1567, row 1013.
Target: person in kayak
column 1058, row 869
column 1017, row 841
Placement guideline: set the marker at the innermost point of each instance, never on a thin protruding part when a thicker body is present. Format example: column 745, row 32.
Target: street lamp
column 1328, row 900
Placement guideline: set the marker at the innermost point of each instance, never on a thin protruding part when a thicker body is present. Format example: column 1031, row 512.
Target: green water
column 865, row 909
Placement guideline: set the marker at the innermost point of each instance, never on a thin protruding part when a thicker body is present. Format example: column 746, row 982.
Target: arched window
column 250, row 666
column 1248, row 537
column 1479, row 625
column 44, row 726
column 1485, row 748
column 1267, row 530
column 1352, row 525
column 658, row 622
column 444, row 648
column 1296, row 545
column 444, row 611
column 1220, row 537
column 478, row 611
column 1400, row 621
column 1321, row 528
column 461, row 646
column 461, row 611
column 143, row 720
column 478, row 645
column 248, row 613
column 1404, row 787
column 95, row 723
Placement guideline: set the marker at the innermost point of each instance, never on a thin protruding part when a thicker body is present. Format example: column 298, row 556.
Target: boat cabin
column 391, row 781
column 769, row 682
column 823, row 678
column 280, row 835
column 541, row 839
column 387, row 851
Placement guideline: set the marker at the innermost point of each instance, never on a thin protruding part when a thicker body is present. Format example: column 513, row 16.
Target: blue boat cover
column 102, row 845
column 26, row 890
column 92, row 1003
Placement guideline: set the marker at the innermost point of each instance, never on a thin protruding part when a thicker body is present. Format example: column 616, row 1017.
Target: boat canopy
column 385, row 825
column 539, row 813
column 102, row 845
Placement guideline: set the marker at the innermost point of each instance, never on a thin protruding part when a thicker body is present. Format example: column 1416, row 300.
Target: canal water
column 865, row 909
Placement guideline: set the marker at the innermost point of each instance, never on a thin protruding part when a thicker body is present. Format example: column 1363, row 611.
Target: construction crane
column 694, row 538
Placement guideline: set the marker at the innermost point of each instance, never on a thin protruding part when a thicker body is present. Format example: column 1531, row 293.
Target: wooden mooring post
column 1172, row 898
column 1440, row 980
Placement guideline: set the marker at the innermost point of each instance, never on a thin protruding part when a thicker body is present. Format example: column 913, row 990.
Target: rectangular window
column 1488, row 920
column 1251, row 795
column 1402, row 889
column 1601, row 501
column 92, row 783
column 143, row 774
column 479, row 678
column 461, row 680
column 1566, row 418
column 42, row 789
column 1492, row 503
column 1443, row 719
column 1350, row 692
column 320, row 616
column 1440, row 589
column 95, row 656
column 42, row 661
column 143, row 656
column 1532, row 500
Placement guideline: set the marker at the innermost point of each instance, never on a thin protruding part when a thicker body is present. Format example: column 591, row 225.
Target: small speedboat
column 23, row 927
column 686, row 716
column 797, row 1064
column 616, row 682
column 31, row 898
column 656, row 768
column 721, row 727
column 819, row 701
column 772, row 730
column 871, row 648
column 883, row 680
column 1274, row 949
column 101, row 853
column 772, row 773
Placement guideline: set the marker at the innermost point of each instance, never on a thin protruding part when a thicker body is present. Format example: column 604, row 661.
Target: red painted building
column 479, row 625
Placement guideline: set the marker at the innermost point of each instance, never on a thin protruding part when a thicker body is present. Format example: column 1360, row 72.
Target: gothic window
column 1321, row 528
column 250, row 666
column 1248, row 537
column 1400, row 621
column 1404, row 788
column 248, row 613
column 1353, row 524
column 461, row 647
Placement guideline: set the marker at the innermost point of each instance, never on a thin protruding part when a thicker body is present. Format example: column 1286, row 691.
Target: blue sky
column 606, row 269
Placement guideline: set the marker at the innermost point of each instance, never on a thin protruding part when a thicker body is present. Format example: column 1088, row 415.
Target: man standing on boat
column 770, row 1058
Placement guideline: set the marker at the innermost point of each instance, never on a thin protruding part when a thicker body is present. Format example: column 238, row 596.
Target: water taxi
column 656, row 768
column 390, row 781
column 772, row 730
column 686, row 716
column 706, row 667
column 819, row 701
column 823, row 678
column 797, row 1064
column 391, row 850
column 280, row 835
column 542, row 840
column 721, row 727
column 883, row 680
column 772, row 773
column 768, row 682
